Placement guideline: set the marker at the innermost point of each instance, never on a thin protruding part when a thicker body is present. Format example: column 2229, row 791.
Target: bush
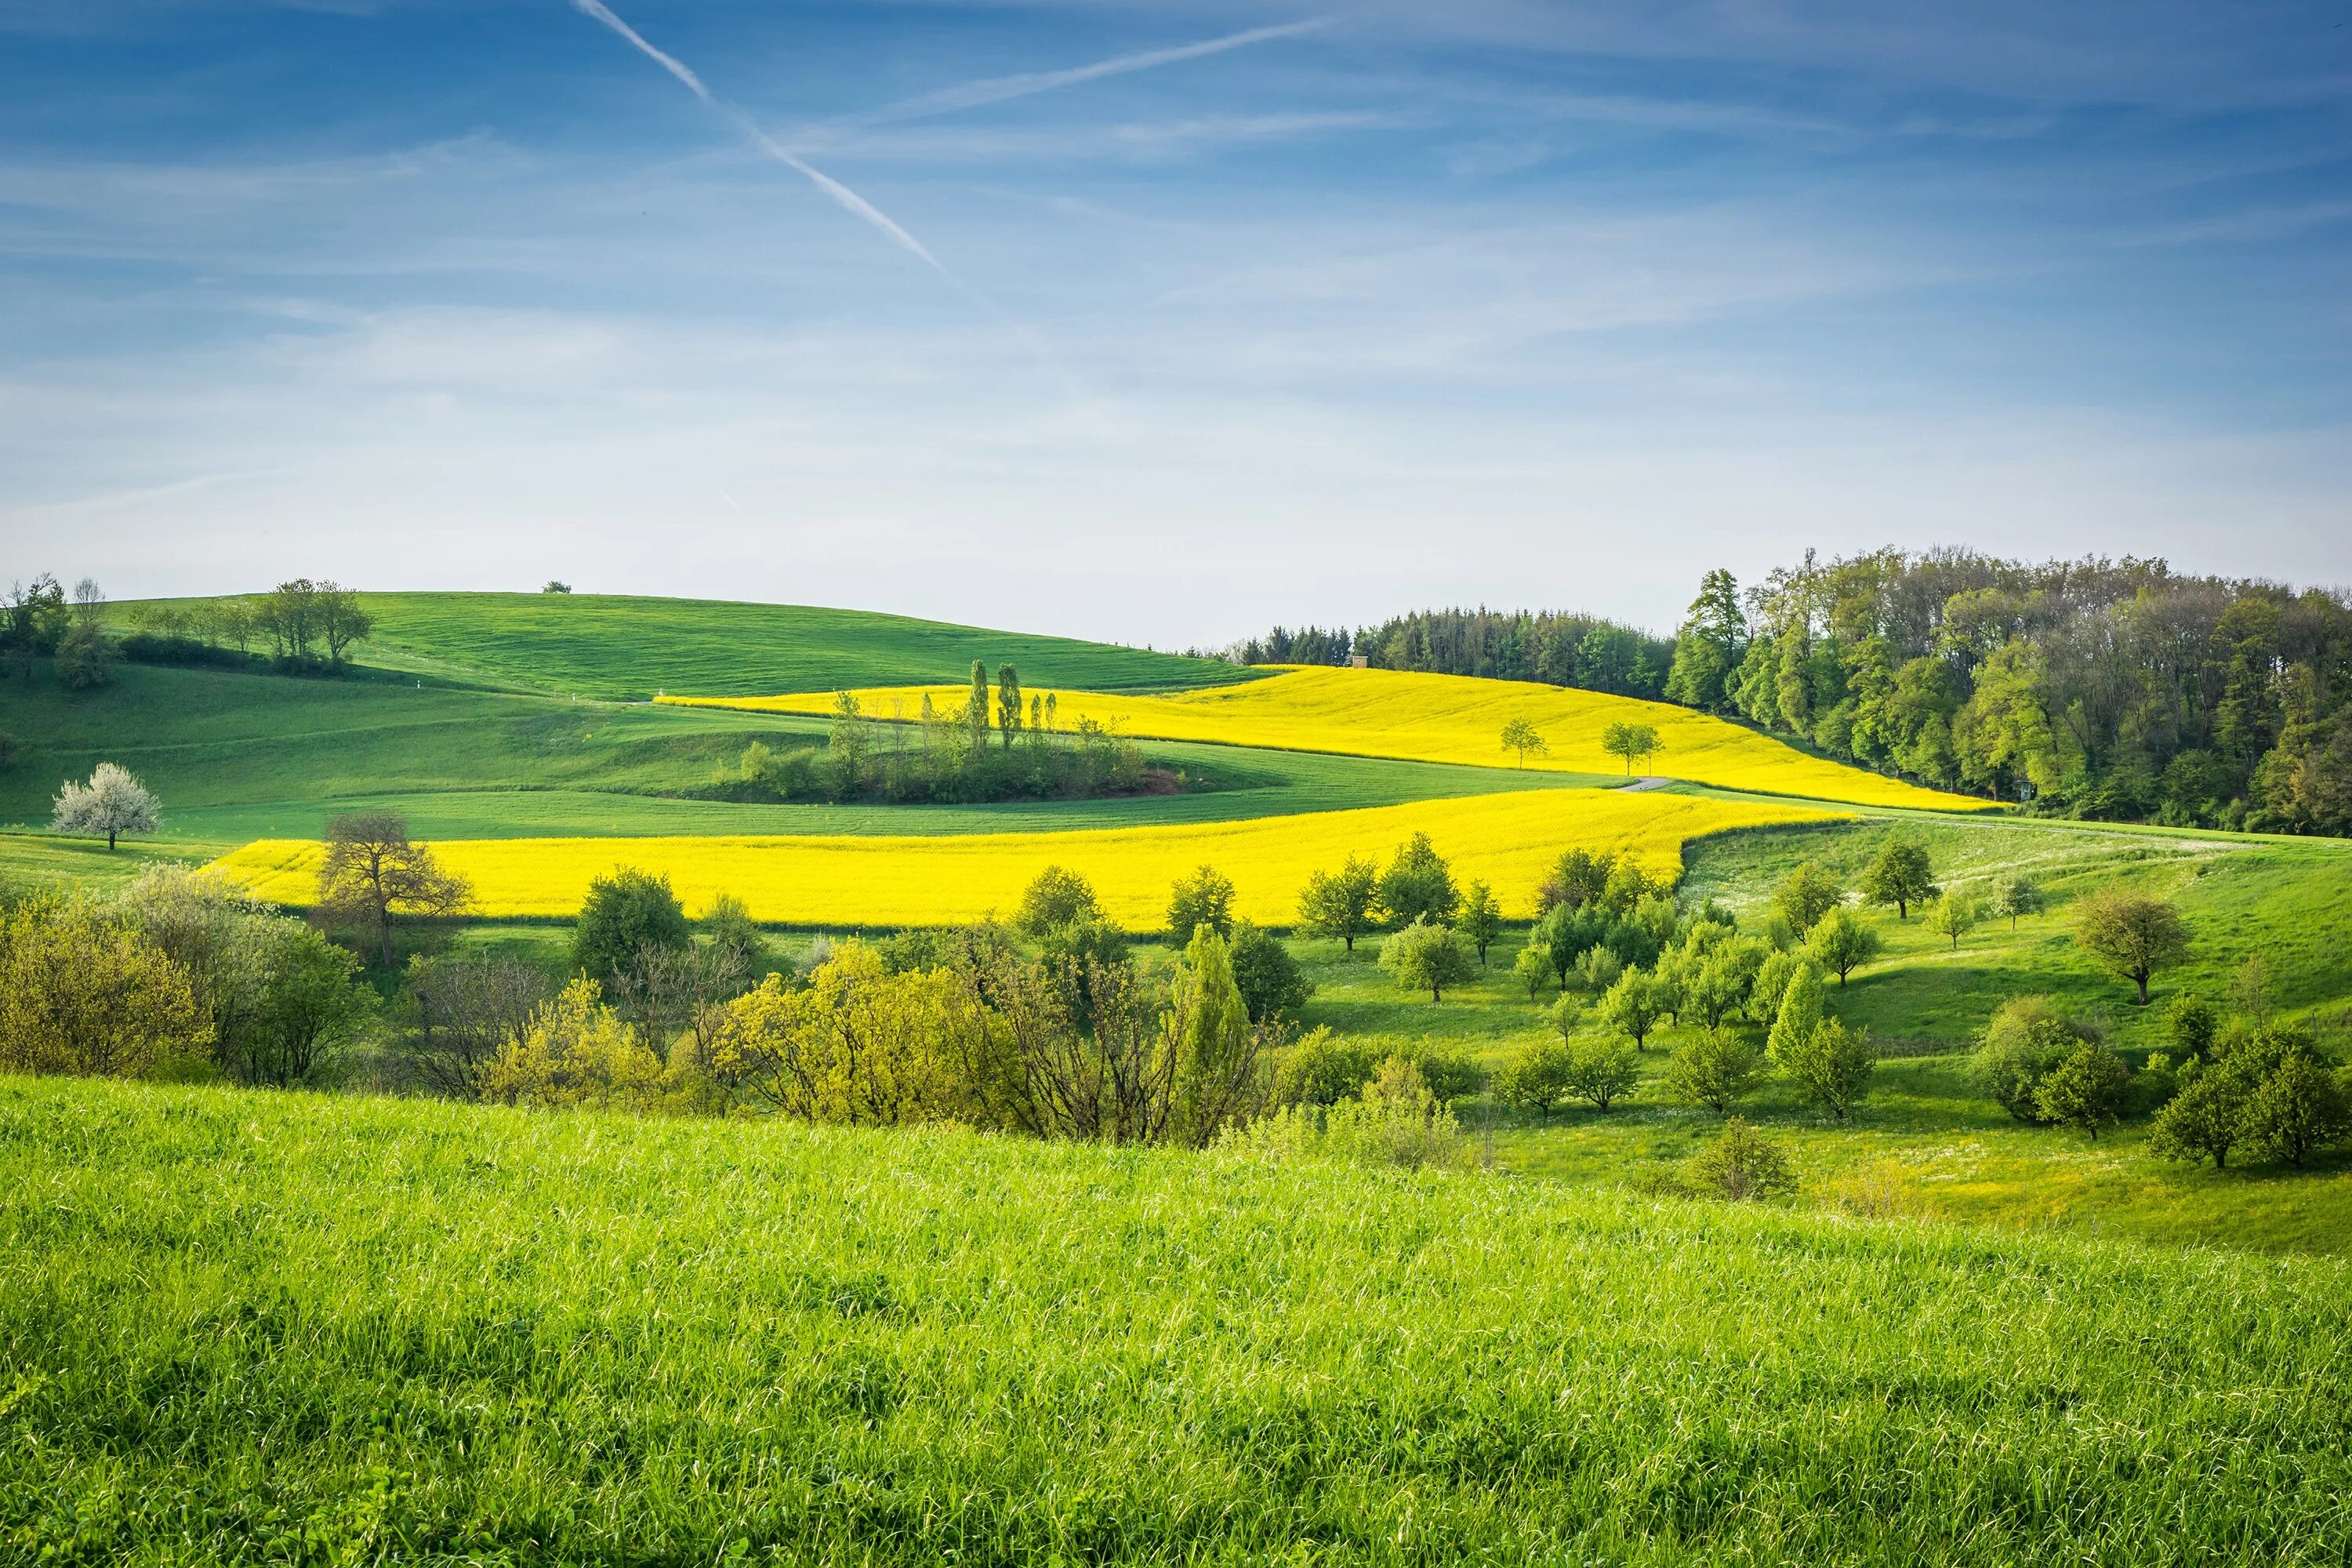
column 1395, row 1121
column 1741, row 1165
column 2027, row 1037
column 1272, row 984
column 623, row 912
column 82, row 992
column 1537, row 1078
column 575, row 1051
column 1320, row 1069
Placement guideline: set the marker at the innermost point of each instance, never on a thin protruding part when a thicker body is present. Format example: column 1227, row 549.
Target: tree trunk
column 109, row 840
column 2142, row 978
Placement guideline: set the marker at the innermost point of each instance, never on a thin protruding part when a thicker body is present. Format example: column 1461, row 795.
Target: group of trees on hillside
column 994, row 745
column 1555, row 648
column 299, row 625
column 2101, row 688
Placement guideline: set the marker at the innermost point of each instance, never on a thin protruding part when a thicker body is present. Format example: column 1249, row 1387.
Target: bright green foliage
column 1709, row 646
column 575, row 1052
column 2190, row 1023
column 2204, row 1122
column 1204, row 899
column 1480, row 920
column 625, row 911
column 1008, row 704
column 1600, row 1072
column 1634, row 743
column 1213, row 1040
column 2085, row 1090
column 85, row 993
column 1713, row 1069
column 1900, row 876
column 1535, row 1079
column 1956, row 914
column 2027, row 1039
column 1772, row 979
column 1597, row 968
column 1057, row 897
column 1830, row 1064
column 305, row 1004
column 1522, row 737
column 1633, row 1006
column 1340, row 903
column 2132, row 933
column 1742, row 1164
column 1842, row 943
column 2016, row 895
column 1418, row 885
column 727, row 925
column 1532, row 967
column 1426, row 956
column 1806, row 894
column 1321, row 1068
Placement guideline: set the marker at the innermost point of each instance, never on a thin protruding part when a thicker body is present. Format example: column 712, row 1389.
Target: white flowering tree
column 112, row 803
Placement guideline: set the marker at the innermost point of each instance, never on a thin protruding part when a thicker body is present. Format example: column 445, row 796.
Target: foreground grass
column 244, row 1328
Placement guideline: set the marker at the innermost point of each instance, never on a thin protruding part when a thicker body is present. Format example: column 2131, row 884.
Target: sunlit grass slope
column 283, row 1327
column 1441, row 718
column 1506, row 839
column 599, row 645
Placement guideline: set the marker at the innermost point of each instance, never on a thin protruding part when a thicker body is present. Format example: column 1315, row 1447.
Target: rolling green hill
column 628, row 648
column 285, row 1327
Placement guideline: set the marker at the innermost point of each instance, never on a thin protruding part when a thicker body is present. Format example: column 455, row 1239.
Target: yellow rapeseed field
column 1505, row 840
column 1434, row 718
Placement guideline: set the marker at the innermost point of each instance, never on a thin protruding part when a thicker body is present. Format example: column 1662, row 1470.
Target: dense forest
column 2116, row 689
column 1556, row 649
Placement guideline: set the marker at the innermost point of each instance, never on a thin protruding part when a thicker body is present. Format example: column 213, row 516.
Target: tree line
column 1555, row 648
column 300, row 624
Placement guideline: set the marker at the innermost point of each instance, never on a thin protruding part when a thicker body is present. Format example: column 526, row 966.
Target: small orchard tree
column 1713, row 1069
column 2085, row 1090
column 1957, row 914
column 1522, row 737
column 1426, row 956
column 1537, row 1078
column 2298, row 1108
column 2016, row 895
column 1842, row 943
column 2132, row 934
column 2205, row 1121
column 1204, row 899
column 1637, row 743
column 307, row 1002
column 1340, row 903
column 1532, row 967
column 1900, row 875
column 1418, row 885
column 2025, row 1040
column 1271, row 983
column 1828, row 1062
column 373, row 874
column 1806, row 894
column 1480, row 920
column 1600, row 1072
column 112, row 803
column 1632, row 1007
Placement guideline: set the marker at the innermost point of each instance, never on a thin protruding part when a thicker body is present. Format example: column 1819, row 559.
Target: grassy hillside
column 239, row 1327
column 236, row 756
column 612, row 646
column 1450, row 719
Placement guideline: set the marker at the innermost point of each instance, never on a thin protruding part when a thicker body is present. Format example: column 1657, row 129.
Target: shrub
column 1741, row 1165
column 2190, row 1023
column 625, row 911
column 307, row 1001
column 1537, row 1078
column 1320, row 1069
column 82, row 992
column 2026, row 1037
column 1272, row 984
column 1600, row 1072
column 575, row 1051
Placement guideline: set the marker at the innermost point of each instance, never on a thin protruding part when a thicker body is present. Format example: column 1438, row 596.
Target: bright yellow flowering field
column 1431, row 718
column 1505, row 840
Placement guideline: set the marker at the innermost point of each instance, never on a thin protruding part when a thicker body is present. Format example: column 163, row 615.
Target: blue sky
column 1232, row 312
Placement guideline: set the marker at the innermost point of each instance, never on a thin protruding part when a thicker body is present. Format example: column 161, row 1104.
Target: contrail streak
column 850, row 200
column 1002, row 89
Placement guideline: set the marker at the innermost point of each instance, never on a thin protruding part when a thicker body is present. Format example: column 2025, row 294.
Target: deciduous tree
column 112, row 803
column 2132, row 934
column 1900, row 875
column 1426, row 956
column 1340, row 903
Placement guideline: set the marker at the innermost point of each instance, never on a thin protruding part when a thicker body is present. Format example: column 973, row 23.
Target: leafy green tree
column 626, row 913
column 1008, row 704
column 1900, row 875
column 1480, row 920
column 1271, row 983
column 1340, row 903
column 1708, row 648
column 112, row 803
column 2132, row 934
column 1956, row 915
column 1828, row 1062
column 373, row 875
column 1742, row 1164
column 2205, row 1121
column 1600, row 1072
column 846, row 746
column 727, row 925
column 1533, row 967
column 2026, row 1038
column 1713, row 1069
column 2190, row 1023
column 1632, row 1007
column 2086, row 1089
column 1842, row 943
column 1634, row 743
column 86, row 655
column 2297, row 1106
column 1418, row 885
column 975, row 715
column 1522, row 737
column 2016, row 895
column 1597, row 968
column 1578, row 878
column 1205, row 898
column 1319, row 1068
column 1426, row 956
column 1537, row 1078
column 1806, row 894
column 1056, row 897
column 307, row 1002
